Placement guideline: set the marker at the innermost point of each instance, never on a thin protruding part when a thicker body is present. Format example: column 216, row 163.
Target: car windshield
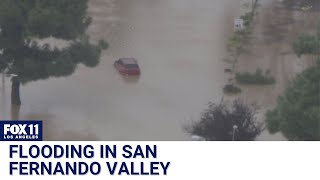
column 132, row 66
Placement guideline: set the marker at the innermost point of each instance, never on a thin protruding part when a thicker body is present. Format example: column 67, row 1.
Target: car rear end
column 133, row 69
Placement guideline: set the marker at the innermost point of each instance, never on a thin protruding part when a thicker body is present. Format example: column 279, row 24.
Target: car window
column 120, row 62
column 132, row 66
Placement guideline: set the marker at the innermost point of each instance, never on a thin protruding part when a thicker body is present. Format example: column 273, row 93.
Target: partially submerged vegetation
column 231, row 89
column 238, row 41
column 237, row 45
column 247, row 18
column 297, row 114
column 103, row 44
column 222, row 122
column 308, row 44
column 255, row 78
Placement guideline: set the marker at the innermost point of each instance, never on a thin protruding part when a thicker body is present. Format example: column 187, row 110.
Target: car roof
column 128, row 61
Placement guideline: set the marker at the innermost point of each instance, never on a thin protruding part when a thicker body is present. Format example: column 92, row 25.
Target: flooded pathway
column 179, row 44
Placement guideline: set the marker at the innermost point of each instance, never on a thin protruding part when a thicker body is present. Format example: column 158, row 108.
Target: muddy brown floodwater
column 179, row 44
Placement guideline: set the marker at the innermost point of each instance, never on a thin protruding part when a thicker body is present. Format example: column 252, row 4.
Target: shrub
column 231, row 88
column 247, row 18
column 103, row 44
column 222, row 122
column 297, row 113
column 255, row 78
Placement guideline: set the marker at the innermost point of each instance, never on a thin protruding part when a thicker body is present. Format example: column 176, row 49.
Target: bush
column 255, row 78
column 222, row 122
column 247, row 18
column 306, row 44
column 231, row 88
column 297, row 113
column 103, row 44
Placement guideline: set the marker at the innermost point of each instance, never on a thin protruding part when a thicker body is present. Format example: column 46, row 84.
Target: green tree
column 297, row 114
column 308, row 44
column 222, row 123
column 22, row 21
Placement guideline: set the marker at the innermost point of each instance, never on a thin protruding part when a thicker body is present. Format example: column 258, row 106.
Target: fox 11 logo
column 21, row 131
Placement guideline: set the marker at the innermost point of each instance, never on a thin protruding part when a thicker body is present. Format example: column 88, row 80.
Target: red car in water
column 127, row 66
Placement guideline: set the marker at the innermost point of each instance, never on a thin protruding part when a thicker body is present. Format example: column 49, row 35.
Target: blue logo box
column 21, row 130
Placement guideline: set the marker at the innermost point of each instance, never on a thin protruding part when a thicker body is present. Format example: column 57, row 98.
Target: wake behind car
column 127, row 66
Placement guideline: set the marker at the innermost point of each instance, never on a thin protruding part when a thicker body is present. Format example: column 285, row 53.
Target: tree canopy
column 297, row 114
column 308, row 44
column 22, row 21
column 65, row 19
column 222, row 123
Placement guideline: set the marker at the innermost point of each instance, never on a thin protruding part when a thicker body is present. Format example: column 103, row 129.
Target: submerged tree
column 22, row 21
column 222, row 123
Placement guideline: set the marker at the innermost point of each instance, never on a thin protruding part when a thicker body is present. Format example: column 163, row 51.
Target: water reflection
column 131, row 79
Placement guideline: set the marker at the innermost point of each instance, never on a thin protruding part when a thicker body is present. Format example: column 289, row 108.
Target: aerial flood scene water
column 190, row 53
